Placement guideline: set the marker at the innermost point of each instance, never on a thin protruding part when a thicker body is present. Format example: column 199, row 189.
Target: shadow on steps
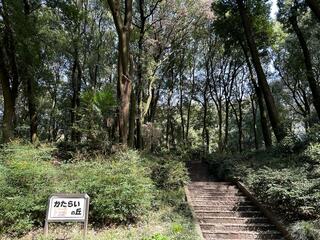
column 199, row 171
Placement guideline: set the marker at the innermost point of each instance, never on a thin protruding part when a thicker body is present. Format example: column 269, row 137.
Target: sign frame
column 75, row 196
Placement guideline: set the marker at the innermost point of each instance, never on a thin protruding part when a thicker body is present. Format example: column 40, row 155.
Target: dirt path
column 223, row 211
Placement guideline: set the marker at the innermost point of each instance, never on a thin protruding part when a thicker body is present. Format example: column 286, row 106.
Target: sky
column 274, row 9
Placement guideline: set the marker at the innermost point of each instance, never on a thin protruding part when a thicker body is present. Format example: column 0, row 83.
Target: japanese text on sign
column 66, row 208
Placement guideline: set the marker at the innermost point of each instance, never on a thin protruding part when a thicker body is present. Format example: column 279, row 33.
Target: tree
column 123, row 27
column 271, row 106
column 30, row 55
column 315, row 7
column 315, row 89
column 228, row 26
column 288, row 15
column 9, row 75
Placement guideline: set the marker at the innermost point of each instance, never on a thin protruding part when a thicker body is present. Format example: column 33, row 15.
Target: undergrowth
column 131, row 196
column 286, row 178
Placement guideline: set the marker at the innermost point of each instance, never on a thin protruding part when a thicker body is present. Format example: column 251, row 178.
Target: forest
column 117, row 99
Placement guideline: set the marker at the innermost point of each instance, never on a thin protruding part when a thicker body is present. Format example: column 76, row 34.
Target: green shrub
column 288, row 189
column 289, row 145
column 26, row 181
column 312, row 153
column 306, row 230
column 221, row 166
column 120, row 189
column 168, row 173
column 313, row 134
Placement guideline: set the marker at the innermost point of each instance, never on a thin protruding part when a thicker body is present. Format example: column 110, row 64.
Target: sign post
column 68, row 208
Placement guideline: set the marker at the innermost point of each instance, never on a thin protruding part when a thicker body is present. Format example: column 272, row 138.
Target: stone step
column 212, row 186
column 230, row 214
column 203, row 218
column 224, row 212
column 208, row 235
column 220, row 203
column 211, row 183
column 217, row 191
column 237, row 227
column 220, row 198
column 212, row 189
column 225, row 208
column 213, row 194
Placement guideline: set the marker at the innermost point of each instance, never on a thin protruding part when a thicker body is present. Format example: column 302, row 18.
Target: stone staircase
column 224, row 212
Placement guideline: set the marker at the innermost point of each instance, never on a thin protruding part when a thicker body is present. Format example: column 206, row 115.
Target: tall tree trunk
column 220, row 140
column 9, row 77
column 139, row 86
column 123, row 27
column 169, row 130
column 226, row 126
column 315, row 89
column 181, row 108
column 254, row 117
column 154, row 103
column 9, row 103
column 52, row 120
column 205, row 131
column 29, row 77
column 263, row 115
column 240, row 125
column 239, row 120
column 75, row 101
column 270, row 102
column 315, row 7
column 33, row 114
column 132, row 119
column 190, row 103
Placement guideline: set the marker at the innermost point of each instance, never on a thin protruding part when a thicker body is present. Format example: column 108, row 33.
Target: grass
column 164, row 224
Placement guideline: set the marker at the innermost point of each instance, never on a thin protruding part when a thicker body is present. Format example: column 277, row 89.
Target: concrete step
column 203, row 218
column 224, row 212
column 213, row 194
column 214, row 188
column 237, row 227
column 225, row 208
column 220, row 198
column 230, row 213
column 223, row 202
column 211, row 183
column 208, row 235
column 216, row 191
column 220, row 203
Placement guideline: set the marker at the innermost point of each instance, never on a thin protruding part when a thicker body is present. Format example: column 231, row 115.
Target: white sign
column 61, row 208
column 68, row 208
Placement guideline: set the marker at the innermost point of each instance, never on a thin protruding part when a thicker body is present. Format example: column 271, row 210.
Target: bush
column 306, row 230
column 291, row 144
column 288, row 189
column 26, row 181
column 168, row 172
column 312, row 153
column 287, row 182
column 120, row 189
column 221, row 166
column 313, row 134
